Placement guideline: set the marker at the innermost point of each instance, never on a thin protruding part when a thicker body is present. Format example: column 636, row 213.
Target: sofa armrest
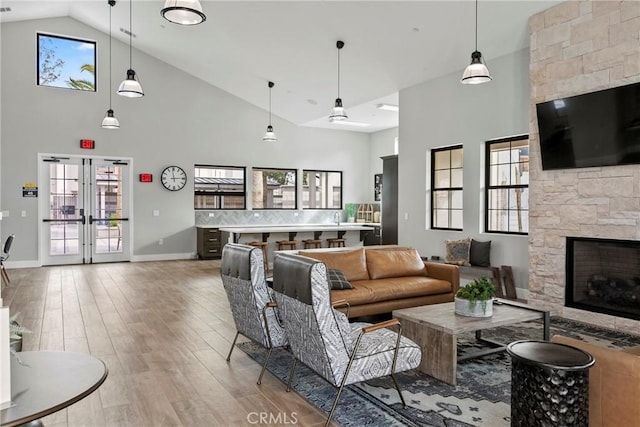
column 614, row 384
column 448, row 272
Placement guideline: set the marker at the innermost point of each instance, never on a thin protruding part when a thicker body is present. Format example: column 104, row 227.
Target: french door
column 84, row 209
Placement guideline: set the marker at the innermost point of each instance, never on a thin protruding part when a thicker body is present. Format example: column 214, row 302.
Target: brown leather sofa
column 388, row 278
column 614, row 384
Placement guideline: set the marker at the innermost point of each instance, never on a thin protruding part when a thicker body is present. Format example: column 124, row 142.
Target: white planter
column 464, row 307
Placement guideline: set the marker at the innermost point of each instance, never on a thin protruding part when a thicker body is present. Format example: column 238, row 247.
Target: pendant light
column 338, row 113
column 269, row 135
column 183, row 12
column 110, row 121
column 130, row 87
column 477, row 72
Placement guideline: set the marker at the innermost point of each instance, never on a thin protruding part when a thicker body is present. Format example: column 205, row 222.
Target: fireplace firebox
column 603, row 275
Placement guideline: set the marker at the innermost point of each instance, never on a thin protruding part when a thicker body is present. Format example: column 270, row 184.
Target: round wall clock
column 173, row 178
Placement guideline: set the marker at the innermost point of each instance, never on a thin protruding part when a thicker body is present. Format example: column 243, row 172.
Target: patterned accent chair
column 252, row 305
column 322, row 338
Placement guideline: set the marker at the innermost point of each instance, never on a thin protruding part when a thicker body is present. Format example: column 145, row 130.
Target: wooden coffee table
column 435, row 328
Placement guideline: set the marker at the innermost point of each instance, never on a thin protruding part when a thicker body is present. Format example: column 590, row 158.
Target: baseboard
column 136, row 258
column 163, row 257
column 22, row 264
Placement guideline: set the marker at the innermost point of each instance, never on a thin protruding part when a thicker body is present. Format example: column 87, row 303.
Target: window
column 446, row 188
column 321, row 189
column 507, row 185
column 219, row 187
column 66, row 62
column 274, row 189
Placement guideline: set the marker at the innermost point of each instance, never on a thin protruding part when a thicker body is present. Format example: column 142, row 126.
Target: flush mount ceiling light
column 338, row 112
column 183, row 12
column 477, row 72
column 130, row 87
column 110, row 121
column 269, row 135
column 388, row 107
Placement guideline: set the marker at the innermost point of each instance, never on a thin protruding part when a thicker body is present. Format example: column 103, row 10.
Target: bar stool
column 287, row 244
column 333, row 243
column 312, row 243
column 264, row 246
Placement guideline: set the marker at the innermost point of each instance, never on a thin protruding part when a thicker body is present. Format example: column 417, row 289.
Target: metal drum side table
column 549, row 384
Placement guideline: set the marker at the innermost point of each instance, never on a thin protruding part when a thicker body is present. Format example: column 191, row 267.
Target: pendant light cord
column 476, row 25
column 110, row 81
column 338, row 72
column 269, row 105
column 131, row 31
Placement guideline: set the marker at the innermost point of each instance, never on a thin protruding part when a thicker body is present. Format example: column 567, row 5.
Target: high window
column 446, row 188
column 321, row 189
column 507, row 185
column 274, row 189
column 219, row 187
column 66, row 62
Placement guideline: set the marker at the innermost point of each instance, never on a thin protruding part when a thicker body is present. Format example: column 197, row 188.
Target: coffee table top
column 442, row 317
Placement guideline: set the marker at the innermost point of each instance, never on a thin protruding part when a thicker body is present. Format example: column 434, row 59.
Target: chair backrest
column 244, row 282
column 319, row 335
column 7, row 244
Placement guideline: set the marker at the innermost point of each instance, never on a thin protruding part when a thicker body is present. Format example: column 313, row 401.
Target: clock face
column 174, row 178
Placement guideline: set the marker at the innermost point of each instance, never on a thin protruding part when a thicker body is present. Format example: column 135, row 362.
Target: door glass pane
column 108, row 209
column 63, row 199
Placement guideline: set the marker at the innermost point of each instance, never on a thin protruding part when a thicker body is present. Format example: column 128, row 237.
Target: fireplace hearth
column 603, row 275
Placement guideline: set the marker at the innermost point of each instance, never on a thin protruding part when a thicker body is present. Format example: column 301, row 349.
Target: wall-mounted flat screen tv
column 594, row 129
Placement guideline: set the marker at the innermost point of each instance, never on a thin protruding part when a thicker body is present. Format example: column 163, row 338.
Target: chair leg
column 335, row 404
column 264, row 366
column 404, row 404
column 291, row 372
column 232, row 346
column 5, row 276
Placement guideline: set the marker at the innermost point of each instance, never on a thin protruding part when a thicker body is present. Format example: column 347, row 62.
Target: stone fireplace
column 603, row 276
column 579, row 47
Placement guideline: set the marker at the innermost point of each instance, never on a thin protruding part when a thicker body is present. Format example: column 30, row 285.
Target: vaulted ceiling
column 389, row 46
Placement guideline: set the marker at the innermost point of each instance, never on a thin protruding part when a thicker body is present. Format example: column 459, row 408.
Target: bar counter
column 235, row 231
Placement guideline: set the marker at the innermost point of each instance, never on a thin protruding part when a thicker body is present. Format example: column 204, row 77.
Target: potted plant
column 350, row 209
column 475, row 299
column 15, row 334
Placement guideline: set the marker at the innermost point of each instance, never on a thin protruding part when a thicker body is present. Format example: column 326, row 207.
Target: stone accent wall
column 579, row 47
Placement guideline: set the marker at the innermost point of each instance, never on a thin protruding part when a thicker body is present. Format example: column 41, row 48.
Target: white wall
column 382, row 144
column 181, row 120
column 444, row 112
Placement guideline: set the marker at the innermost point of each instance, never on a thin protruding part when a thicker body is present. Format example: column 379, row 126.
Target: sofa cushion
column 338, row 279
column 351, row 263
column 397, row 263
column 372, row 291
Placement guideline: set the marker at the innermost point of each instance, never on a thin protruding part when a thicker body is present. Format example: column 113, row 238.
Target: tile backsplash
column 244, row 217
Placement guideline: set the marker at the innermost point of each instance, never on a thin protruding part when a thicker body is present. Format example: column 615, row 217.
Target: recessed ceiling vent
column 5, row 9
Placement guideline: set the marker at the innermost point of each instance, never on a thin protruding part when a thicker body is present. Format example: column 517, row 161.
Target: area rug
column 480, row 398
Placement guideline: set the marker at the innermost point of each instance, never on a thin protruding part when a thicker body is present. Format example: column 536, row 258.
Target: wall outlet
column 156, row 213
column 5, row 214
column 211, row 214
column 256, row 214
column 406, row 216
column 23, row 214
column 296, row 214
column 161, row 241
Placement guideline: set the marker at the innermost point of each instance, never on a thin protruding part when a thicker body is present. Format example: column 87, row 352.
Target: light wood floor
column 164, row 330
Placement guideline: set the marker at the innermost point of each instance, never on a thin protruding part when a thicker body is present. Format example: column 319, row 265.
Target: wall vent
column 127, row 32
column 5, row 9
